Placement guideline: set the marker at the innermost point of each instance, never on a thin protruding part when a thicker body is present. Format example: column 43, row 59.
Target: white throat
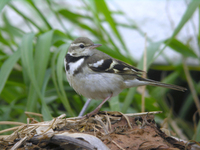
column 73, row 66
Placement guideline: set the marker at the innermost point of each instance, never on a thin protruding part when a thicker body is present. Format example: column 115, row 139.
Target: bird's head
column 82, row 46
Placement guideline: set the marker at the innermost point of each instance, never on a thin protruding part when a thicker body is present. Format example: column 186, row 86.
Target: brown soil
column 117, row 131
column 144, row 135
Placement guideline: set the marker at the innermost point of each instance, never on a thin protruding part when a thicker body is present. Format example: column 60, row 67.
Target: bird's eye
column 82, row 46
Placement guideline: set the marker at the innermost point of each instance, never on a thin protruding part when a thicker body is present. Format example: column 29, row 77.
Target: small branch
column 144, row 74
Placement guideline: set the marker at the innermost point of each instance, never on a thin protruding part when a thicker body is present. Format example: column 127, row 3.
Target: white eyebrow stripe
column 76, row 44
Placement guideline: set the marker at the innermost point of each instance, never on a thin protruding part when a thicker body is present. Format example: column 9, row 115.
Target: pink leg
column 98, row 107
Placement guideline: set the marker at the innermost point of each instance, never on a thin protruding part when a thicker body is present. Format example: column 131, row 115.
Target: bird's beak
column 94, row 46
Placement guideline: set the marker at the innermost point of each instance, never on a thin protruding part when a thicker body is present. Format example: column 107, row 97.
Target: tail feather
column 156, row 83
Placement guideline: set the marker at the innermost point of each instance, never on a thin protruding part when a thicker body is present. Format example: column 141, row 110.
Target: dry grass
column 106, row 130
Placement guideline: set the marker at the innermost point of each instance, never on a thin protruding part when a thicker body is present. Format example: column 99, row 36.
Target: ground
column 106, row 130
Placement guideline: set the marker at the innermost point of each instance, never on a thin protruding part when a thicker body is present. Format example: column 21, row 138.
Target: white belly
column 96, row 85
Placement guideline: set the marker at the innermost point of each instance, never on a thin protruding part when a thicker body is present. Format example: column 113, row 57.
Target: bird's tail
column 156, row 83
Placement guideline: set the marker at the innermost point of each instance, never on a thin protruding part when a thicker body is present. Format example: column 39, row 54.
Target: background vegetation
column 32, row 76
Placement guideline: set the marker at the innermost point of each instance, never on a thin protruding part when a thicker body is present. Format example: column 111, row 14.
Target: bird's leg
column 84, row 107
column 98, row 107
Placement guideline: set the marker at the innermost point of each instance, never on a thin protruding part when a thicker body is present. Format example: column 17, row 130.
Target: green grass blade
column 114, row 104
column 9, row 93
column 53, row 72
column 26, row 46
column 10, row 28
column 7, row 68
column 101, row 5
column 150, row 103
column 170, row 79
column 197, row 133
column 42, row 55
column 55, row 81
column 128, row 99
column 46, row 80
column 41, row 59
column 181, row 48
column 60, row 67
column 103, row 8
column 185, row 108
column 26, row 49
column 40, row 14
column 68, row 14
column 7, row 111
column 26, row 18
column 75, row 19
column 151, row 50
column 4, row 41
column 59, row 36
column 102, row 32
column 194, row 4
column 3, row 3
column 198, row 38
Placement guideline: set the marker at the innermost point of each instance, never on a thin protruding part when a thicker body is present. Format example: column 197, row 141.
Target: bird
column 96, row 75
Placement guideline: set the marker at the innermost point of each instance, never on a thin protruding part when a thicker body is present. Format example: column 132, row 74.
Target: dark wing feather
column 124, row 67
column 114, row 66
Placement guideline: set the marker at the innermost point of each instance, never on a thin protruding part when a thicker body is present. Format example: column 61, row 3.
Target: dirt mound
column 106, row 130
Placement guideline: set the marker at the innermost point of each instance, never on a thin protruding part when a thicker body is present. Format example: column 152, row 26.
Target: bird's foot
column 94, row 112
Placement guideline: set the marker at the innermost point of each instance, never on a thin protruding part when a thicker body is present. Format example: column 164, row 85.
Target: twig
column 18, row 144
column 127, row 119
column 117, row 145
column 144, row 74
column 34, row 114
column 10, row 129
column 11, row 123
